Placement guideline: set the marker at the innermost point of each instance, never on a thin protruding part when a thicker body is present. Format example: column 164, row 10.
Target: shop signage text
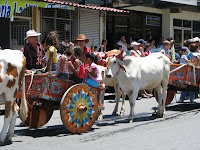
column 187, row 2
column 8, row 8
column 153, row 20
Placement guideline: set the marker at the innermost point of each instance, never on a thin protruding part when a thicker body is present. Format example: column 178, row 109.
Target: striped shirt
column 65, row 65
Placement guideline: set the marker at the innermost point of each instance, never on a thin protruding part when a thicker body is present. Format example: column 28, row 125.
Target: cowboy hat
column 31, row 33
column 81, row 37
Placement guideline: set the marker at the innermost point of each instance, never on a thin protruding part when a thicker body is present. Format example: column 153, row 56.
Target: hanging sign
column 186, row 2
column 8, row 8
column 153, row 20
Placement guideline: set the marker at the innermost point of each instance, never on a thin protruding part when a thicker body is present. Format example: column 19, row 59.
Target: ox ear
column 121, row 65
column 121, row 55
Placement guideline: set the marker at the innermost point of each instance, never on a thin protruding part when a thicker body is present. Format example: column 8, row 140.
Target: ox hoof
column 131, row 121
column 160, row 115
column 122, row 114
column 100, row 118
column 8, row 141
column 157, row 115
column 2, row 143
column 114, row 114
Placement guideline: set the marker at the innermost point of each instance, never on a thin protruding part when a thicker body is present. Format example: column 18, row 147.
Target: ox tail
column 23, row 106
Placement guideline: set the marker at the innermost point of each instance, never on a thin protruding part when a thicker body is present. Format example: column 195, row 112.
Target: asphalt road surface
column 179, row 130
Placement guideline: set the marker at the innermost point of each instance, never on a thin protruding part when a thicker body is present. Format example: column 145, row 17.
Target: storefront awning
column 87, row 6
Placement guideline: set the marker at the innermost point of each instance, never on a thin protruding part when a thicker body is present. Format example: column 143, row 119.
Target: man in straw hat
column 33, row 51
column 81, row 41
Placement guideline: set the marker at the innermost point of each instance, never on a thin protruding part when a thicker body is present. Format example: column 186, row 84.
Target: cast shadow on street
column 48, row 131
column 182, row 107
column 110, row 120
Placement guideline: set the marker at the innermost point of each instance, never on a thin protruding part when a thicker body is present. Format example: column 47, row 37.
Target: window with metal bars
column 21, row 24
column 60, row 20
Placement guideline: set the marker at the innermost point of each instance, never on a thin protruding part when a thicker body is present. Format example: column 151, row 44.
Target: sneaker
column 180, row 101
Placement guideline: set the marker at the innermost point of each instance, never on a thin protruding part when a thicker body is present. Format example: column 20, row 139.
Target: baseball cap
column 183, row 48
column 134, row 44
column 142, row 41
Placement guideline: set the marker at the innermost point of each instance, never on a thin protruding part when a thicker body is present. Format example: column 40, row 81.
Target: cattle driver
column 81, row 41
column 33, row 51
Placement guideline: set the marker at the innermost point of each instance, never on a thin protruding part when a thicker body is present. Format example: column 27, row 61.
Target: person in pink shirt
column 93, row 71
column 62, row 70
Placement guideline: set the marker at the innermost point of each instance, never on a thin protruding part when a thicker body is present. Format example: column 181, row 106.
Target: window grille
column 21, row 24
column 18, row 32
column 63, row 21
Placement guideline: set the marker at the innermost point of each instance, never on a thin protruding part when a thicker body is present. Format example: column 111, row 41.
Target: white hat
column 196, row 39
column 31, row 33
column 134, row 43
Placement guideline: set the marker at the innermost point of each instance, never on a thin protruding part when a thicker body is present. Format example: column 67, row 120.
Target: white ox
column 12, row 69
column 139, row 73
column 113, row 82
column 118, row 93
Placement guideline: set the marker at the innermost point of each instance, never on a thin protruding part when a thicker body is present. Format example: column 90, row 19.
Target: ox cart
column 183, row 77
column 78, row 103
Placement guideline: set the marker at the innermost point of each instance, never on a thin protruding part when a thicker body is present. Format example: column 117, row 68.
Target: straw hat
column 31, row 33
column 81, row 37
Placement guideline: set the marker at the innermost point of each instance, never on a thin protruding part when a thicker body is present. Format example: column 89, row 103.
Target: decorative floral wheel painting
column 79, row 108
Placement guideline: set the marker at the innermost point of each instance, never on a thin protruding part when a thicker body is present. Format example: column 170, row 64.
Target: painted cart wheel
column 170, row 96
column 79, row 108
column 39, row 113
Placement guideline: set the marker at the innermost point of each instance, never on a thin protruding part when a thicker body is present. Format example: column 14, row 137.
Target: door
column 4, row 30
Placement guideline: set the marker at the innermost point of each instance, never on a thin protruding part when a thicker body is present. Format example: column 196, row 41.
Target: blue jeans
column 184, row 94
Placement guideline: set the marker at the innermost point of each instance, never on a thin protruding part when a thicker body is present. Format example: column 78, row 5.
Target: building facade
column 68, row 18
column 151, row 19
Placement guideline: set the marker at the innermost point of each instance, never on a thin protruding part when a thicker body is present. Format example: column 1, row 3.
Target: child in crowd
column 95, row 76
column 62, row 66
column 51, row 50
column 103, row 46
column 147, row 49
column 184, row 59
column 93, row 71
column 77, row 67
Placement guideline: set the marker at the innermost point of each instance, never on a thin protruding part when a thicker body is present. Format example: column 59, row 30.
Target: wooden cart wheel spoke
column 79, row 108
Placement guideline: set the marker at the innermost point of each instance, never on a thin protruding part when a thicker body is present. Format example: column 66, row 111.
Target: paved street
column 179, row 130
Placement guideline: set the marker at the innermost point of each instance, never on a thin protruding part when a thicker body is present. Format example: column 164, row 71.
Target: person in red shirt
column 81, row 41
